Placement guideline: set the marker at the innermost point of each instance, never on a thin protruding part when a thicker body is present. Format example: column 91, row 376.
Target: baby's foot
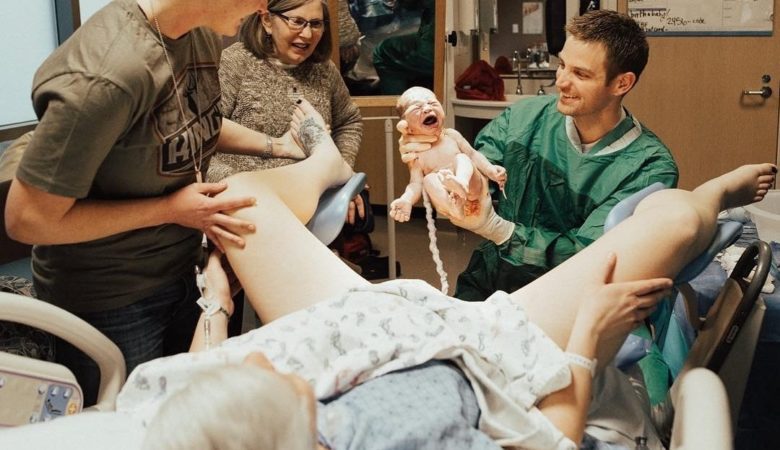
column 453, row 185
column 744, row 185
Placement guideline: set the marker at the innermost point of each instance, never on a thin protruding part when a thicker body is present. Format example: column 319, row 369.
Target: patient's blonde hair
column 232, row 408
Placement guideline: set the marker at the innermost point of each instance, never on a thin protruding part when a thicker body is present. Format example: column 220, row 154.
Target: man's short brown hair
column 624, row 40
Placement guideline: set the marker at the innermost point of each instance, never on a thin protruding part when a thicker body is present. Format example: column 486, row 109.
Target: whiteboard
column 703, row 17
column 29, row 33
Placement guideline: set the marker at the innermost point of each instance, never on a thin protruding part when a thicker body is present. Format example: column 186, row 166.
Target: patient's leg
column 668, row 229
column 283, row 267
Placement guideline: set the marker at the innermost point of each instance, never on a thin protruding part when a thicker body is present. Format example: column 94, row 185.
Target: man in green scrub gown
column 569, row 158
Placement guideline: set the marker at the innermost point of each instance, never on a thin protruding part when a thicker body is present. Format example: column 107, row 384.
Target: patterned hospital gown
column 377, row 329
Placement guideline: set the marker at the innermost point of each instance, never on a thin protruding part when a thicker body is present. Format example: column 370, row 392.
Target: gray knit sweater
column 257, row 94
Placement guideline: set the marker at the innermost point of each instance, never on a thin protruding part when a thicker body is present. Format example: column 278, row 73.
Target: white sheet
column 85, row 431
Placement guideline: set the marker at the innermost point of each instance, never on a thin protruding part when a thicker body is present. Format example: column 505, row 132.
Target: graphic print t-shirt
column 111, row 129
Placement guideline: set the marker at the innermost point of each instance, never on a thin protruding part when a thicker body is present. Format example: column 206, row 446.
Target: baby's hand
column 400, row 210
column 498, row 174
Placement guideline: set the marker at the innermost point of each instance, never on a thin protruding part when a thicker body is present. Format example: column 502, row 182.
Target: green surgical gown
column 557, row 196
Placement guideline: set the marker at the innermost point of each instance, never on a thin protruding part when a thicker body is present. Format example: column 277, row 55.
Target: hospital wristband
column 581, row 361
column 222, row 310
column 211, row 307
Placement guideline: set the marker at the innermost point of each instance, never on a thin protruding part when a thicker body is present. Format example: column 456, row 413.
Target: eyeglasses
column 299, row 23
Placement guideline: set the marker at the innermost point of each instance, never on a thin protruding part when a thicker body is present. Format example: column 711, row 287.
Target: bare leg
column 458, row 182
column 283, row 267
column 668, row 229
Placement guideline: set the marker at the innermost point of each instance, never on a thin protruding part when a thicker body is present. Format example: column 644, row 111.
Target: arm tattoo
column 310, row 133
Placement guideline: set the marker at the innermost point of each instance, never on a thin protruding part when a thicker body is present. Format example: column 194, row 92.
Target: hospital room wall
column 373, row 156
column 691, row 96
column 35, row 29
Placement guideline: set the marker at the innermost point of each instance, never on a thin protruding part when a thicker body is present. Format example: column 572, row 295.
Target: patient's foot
column 308, row 127
column 744, row 185
column 310, row 131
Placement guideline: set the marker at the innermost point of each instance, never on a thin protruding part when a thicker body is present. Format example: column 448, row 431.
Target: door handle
column 452, row 38
column 764, row 92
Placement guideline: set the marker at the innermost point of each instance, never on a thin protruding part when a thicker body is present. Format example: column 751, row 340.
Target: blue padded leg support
column 726, row 234
column 328, row 219
column 625, row 208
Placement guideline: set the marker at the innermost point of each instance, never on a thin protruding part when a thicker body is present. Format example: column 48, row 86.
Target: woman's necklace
column 197, row 161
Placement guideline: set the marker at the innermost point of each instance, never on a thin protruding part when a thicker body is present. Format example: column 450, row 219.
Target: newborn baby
column 440, row 160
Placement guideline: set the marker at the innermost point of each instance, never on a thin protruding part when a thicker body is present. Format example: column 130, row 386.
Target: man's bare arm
column 34, row 216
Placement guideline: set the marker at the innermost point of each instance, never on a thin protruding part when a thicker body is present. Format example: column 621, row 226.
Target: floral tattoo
column 310, row 133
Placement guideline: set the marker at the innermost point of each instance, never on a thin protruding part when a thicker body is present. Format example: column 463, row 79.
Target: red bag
column 480, row 81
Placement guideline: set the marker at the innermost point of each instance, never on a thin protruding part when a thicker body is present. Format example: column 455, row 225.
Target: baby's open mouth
column 430, row 120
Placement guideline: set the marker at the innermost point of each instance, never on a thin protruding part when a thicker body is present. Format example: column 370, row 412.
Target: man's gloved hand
column 487, row 223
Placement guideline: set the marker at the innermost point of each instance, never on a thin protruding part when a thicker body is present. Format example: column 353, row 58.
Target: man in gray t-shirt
column 108, row 186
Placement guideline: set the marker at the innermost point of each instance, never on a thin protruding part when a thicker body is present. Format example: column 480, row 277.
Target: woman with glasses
column 284, row 55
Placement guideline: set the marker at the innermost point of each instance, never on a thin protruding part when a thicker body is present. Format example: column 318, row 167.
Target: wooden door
column 690, row 94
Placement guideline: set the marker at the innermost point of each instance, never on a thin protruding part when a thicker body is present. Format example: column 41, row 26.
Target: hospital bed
column 700, row 398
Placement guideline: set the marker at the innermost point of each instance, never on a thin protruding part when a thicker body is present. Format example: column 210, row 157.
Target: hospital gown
column 557, row 196
column 377, row 329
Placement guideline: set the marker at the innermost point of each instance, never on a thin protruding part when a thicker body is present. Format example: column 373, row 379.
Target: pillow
column 10, row 158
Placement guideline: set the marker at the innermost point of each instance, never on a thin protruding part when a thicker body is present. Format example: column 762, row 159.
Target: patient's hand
column 612, row 309
column 218, row 286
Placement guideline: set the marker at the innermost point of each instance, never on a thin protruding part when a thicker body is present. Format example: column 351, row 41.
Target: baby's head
column 421, row 111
